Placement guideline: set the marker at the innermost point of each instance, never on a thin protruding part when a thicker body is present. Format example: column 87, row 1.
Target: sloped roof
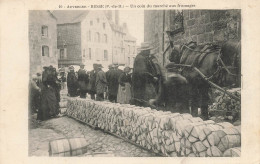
column 75, row 16
column 69, row 16
column 129, row 37
column 116, row 27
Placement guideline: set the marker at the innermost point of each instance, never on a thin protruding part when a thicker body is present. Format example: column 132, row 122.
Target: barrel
column 66, row 147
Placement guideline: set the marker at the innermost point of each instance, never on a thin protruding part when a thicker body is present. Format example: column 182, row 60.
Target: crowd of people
column 113, row 85
column 100, row 85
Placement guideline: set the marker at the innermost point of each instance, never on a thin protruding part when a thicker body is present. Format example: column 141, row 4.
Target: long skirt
column 49, row 104
column 124, row 94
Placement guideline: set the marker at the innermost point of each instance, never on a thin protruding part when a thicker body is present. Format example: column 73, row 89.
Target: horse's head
column 177, row 51
column 231, row 57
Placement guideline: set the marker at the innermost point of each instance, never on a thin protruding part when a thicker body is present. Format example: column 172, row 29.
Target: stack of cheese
column 171, row 134
column 225, row 106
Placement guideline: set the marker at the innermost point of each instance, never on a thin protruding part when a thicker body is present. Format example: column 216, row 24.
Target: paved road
column 41, row 133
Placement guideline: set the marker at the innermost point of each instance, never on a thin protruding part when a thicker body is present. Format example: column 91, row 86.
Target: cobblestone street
column 41, row 133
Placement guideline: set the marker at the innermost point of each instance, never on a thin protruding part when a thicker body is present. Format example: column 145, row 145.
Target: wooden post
column 163, row 37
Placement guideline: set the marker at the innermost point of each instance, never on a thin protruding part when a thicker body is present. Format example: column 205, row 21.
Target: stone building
column 42, row 40
column 130, row 48
column 90, row 37
column 201, row 26
column 83, row 37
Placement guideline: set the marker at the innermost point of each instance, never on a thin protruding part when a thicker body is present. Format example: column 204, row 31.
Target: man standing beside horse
column 146, row 76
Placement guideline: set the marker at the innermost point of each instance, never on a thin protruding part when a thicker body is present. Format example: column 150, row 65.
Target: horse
column 153, row 88
column 219, row 64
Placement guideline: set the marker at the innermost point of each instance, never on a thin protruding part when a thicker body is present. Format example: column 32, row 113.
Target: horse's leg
column 203, row 91
column 193, row 94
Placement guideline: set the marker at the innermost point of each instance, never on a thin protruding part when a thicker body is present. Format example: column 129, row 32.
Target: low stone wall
column 171, row 134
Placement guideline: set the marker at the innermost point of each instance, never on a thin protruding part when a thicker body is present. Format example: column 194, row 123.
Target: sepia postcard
column 129, row 81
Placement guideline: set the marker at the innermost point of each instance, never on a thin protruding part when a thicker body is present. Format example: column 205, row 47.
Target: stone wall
column 37, row 19
column 201, row 26
column 170, row 134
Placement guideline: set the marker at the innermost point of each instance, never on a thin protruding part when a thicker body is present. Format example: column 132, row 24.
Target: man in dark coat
column 92, row 82
column 146, row 76
column 72, row 82
column 112, row 79
column 83, row 80
column 109, row 82
column 101, row 83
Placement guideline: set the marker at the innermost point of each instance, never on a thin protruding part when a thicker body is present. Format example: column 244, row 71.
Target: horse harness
column 203, row 53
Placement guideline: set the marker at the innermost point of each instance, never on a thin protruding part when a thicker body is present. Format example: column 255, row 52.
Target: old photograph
column 134, row 83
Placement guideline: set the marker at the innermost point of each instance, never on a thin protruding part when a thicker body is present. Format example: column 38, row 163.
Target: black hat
column 100, row 66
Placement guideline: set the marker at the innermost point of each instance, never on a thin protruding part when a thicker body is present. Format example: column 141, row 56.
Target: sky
column 135, row 23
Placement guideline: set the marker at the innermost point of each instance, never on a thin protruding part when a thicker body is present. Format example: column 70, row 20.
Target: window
column 128, row 60
column 105, row 55
column 89, row 35
column 97, row 20
column 97, row 37
column 98, row 54
column 129, row 49
column 104, row 25
column 105, row 38
column 89, row 53
column 45, row 51
column 62, row 54
column 45, row 31
column 84, row 53
column 91, row 23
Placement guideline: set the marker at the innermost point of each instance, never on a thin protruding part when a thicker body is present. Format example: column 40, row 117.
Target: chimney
column 109, row 14
column 125, row 27
column 117, row 17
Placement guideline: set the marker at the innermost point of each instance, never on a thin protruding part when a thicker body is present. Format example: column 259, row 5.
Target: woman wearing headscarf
column 124, row 90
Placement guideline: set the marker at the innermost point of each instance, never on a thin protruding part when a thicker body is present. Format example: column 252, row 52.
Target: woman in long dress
column 124, row 90
column 49, row 96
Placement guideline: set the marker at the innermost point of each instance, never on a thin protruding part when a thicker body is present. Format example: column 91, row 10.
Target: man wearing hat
column 83, row 80
column 72, row 82
column 92, row 81
column 146, row 75
column 109, row 73
column 101, row 83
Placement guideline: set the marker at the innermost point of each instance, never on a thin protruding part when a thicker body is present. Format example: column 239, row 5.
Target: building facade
column 96, row 39
column 130, row 48
column 90, row 37
column 42, row 40
column 201, row 26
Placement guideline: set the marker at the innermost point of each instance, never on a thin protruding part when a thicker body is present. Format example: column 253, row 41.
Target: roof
column 116, row 27
column 70, row 16
column 75, row 16
column 129, row 37
column 52, row 14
